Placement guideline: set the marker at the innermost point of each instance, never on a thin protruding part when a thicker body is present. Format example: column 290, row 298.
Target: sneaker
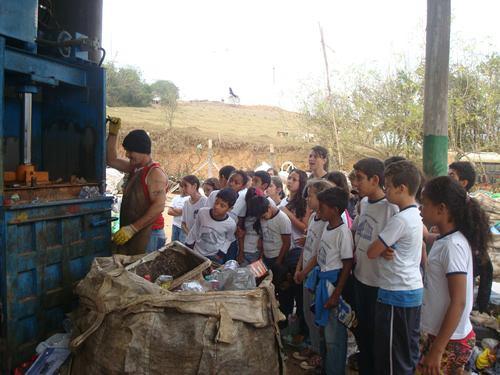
column 312, row 363
column 303, row 354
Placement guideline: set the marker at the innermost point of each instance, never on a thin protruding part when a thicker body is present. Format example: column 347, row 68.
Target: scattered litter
column 484, row 320
column 165, row 281
column 88, row 192
column 49, row 361
column 59, row 340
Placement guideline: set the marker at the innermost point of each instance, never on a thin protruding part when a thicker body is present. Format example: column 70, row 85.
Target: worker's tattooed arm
column 157, row 186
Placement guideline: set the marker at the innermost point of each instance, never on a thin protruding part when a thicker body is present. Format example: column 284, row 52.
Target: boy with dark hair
column 464, row 173
column 398, row 251
column 374, row 213
column 224, row 173
column 392, row 159
column 261, row 180
column 213, row 230
column 335, row 258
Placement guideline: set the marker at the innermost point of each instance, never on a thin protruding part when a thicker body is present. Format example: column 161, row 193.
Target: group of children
column 364, row 248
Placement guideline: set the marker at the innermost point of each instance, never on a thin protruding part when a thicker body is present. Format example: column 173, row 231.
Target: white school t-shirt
column 211, row 235
column 251, row 239
column 336, row 244
column 369, row 223
column 272, row 230
column 240, row 206
column 190, row 210
column 297, row 234
column 314, row 232
column 450, row 254
column 403, row 233
column 178, row 202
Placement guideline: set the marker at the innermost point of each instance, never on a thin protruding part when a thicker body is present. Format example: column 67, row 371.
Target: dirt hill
column 241, row 135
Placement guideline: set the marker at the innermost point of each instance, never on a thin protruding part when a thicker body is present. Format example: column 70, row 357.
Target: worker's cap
column 137, row 141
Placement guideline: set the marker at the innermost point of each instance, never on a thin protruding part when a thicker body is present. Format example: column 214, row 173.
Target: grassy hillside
column 241, row 135
column 219, row 121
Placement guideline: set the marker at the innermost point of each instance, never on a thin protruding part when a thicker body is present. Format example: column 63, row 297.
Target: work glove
column 124, row 234
column 115, row 124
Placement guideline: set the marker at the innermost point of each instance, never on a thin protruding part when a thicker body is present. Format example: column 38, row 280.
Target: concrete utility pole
column 437, row 56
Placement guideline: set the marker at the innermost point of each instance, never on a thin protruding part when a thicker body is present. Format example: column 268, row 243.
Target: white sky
column 204, row 46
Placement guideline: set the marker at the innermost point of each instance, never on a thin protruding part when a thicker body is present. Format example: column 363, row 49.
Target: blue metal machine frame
column 47, row 246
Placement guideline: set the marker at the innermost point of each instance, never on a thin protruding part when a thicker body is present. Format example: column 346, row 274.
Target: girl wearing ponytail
column 448, row 285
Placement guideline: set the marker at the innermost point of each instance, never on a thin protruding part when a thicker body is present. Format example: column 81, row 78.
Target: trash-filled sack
column 127, row 324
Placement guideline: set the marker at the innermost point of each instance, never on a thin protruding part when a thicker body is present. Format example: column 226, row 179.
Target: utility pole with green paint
column 437, row 55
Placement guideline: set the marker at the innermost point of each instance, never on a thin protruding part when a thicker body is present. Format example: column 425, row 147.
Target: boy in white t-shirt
column 191, row 186
column 335, row 259
column 374, row 213
column 213, row 230
column 398, row 251
column 224, row 174
column 308, row 260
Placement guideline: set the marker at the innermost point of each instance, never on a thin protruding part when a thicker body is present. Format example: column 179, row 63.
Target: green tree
column 165, row 90
column 169, row 94
column 474, row 96
column 126, row 87
column 384, row 115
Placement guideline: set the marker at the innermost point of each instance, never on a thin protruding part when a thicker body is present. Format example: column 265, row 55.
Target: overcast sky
column 269, row 51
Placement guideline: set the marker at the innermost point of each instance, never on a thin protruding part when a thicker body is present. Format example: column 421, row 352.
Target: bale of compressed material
column 128, row 325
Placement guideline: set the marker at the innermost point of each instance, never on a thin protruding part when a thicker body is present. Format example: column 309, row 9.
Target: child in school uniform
column 191, row 186
column 337, row 178
column 305, row 265
column 238, row 182
column 335, row 259
column 375, row 211
column 175, row 210
column 213, row 230
column 275, row 190
column 398, row 251
column 249, row 243
column 297, row 211
column 224, row 174
column 448, row 286
column 275, row 230
column 210, row 185
column 464, row 173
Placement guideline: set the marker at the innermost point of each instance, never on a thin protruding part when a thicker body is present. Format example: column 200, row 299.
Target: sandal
column 312, row 363
column 303, row 354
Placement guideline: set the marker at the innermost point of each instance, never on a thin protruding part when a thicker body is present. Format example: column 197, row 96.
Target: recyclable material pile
column 174, row 312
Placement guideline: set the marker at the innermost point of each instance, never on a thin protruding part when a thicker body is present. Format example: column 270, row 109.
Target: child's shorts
column 455, row 356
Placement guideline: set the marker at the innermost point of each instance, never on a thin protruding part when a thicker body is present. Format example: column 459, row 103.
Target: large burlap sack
column 127, row 325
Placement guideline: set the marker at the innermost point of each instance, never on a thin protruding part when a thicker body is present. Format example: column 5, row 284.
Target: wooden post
column 329, row 89
column 210, row 159
column 437, row 55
